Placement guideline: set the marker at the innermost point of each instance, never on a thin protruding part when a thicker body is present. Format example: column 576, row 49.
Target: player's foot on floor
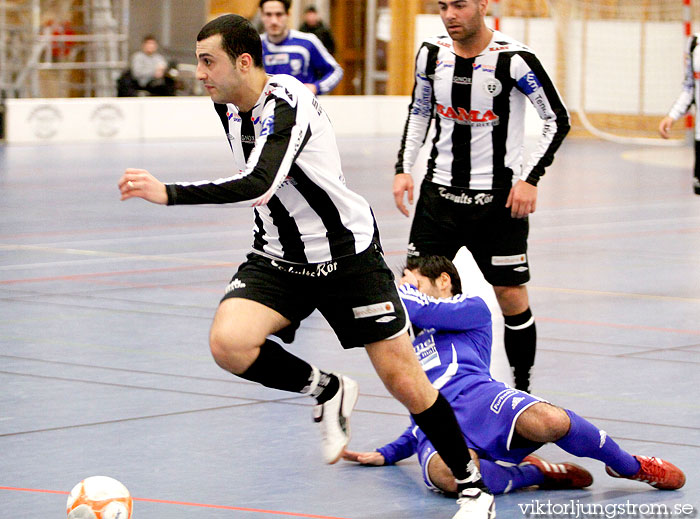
column 655, row 471
column 334, row 418
column 560, row 476
column 475, row 503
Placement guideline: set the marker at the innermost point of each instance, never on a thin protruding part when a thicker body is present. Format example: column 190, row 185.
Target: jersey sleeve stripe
column 265, row 171
column 557, row 125
column 419, row 110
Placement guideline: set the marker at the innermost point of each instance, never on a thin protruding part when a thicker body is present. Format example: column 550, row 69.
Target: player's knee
column 230, row 348
column 440, row 475
column 543, row 423
column 554, row 423
column 512, row 299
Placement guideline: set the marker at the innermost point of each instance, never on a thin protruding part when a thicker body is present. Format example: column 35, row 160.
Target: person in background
column 312, row 23
column 299, row 54
column 687, row 97
column 149, row 69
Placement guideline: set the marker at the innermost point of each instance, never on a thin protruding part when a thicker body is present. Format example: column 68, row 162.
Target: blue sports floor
column 105, row 308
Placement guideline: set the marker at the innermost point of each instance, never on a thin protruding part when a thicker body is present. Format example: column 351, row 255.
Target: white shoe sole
column 347, row 404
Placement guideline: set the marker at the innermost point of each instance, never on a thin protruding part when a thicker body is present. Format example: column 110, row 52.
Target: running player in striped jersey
column 688, row 97
column 502, row 425
column 315, row 246
column 476, row 192
column 299, row 54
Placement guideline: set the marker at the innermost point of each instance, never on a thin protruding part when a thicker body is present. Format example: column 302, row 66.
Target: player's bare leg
column 397, row 366
column 544, row 422
column 239, row 341
column 240, row 328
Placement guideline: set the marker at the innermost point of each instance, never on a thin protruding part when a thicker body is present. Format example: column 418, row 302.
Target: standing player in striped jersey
column 315, row 246
column 299, row 54
column 477, row 192
column 688, row 96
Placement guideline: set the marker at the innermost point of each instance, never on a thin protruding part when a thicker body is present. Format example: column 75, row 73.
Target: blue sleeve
column 401, row 448
column 324, row 67
column 459, row 313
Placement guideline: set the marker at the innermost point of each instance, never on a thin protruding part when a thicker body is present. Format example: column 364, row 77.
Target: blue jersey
column 303, row 56
column 454, row 349
column 455, row 344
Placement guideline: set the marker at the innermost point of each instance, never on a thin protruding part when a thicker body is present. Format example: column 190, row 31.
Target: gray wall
column 175, row 23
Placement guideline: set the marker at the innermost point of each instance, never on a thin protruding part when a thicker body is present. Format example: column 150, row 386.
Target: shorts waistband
column 465, row 196
column 317, row 270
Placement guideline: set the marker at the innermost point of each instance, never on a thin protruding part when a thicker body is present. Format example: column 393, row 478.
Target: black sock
column 328, row 386
column 276, row 368
column 439, row 424
column 520, row 340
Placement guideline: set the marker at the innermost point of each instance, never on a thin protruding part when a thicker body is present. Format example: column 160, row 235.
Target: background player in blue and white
column 315, row 246
column 299, row 54
column 688, row 97
column 500, row 423
column 477, row 193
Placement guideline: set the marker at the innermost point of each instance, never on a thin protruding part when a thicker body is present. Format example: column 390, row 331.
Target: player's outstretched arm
column 139, row 183
column 365, row 458
column 403, row 183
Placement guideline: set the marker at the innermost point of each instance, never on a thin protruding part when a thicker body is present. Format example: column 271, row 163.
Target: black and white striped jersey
column 479, row 109
column 691, row 84
column 288, row 168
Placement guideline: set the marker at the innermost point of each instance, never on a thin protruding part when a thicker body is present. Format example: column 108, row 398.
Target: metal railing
column 83, row 50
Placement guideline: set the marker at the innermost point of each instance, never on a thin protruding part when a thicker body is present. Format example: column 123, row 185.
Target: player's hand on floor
column 139, row 183
column 365, row 458
column 403, row 183
column 522, row 199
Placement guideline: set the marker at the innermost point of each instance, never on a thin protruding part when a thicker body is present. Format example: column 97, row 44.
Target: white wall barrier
column 617, row 78
column 145, row 118
column 32, row 121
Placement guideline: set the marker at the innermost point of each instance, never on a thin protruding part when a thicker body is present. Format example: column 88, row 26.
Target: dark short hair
column 286, row 3
column 432, row 266
column 311, row 9
column 238, row 36
column 149, row 37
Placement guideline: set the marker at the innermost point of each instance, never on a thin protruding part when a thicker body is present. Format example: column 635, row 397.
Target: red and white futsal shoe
column 655, row 471
column 560, row 476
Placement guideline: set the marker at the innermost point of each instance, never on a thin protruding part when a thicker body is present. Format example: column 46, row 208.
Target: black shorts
column 356, row 295
column 449, row 218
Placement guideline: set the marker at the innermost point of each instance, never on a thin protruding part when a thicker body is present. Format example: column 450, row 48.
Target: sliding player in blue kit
column 502, row 425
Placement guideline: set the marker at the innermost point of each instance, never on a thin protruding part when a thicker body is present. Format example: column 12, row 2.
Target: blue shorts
column 486, row 411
